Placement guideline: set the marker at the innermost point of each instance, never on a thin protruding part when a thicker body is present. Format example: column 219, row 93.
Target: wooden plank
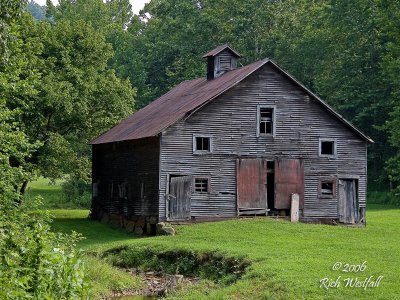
column 179, row 197
column 348, row 203
column 294, row 208
column 253, row 212
column 289, row 179
column 252, row 182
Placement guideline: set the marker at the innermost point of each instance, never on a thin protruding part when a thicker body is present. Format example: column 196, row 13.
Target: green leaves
column 35, row 262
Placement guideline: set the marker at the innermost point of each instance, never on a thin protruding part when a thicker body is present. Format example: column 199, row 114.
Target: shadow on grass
column 94, row 232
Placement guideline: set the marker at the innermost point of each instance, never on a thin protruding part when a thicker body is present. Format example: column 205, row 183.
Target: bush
column 36, row 263
column 77, row 192
column 391, row 198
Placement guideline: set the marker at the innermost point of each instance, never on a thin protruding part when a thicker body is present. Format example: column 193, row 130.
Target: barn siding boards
column 134, row 163
column 231, row 120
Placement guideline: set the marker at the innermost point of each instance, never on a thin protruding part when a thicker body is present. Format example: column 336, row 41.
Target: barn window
column 265, row 120
column 202, row 144
column 201, row 185
column 327, row 147
column 327, row 188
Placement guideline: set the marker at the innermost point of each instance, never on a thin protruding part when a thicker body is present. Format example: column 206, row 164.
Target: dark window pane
column 327, row 188
column 268, row 128
column 206, row 144
column 266, row 113
column 266, row 120
column 327, row 147
column 202, row 144
column 263, row 128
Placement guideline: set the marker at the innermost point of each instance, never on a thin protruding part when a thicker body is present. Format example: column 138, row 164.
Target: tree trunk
column 23, row 187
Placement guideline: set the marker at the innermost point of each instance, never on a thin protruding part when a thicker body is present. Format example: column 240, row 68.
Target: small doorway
column 348, row 201
column 179, row 197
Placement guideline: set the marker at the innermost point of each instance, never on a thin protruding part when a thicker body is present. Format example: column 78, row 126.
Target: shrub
column 36, row 263
column 77, row 192
column 391, row 198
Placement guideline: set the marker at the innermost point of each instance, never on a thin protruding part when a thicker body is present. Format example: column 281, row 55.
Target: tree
column 34, row 263
column 389, row 17
column 58, row 78
column 37, row 11
column 16, row 147
column 78, row 98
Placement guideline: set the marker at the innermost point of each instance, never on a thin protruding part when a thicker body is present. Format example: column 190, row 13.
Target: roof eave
column 223, row 47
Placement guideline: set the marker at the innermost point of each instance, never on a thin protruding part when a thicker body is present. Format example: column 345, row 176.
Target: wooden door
column 180, row 189
column 289, row 179
column 251, row 186
column 348, row 203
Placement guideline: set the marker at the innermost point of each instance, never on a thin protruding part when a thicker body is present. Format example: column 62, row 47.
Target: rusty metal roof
column 186, row 98
column 220, row 49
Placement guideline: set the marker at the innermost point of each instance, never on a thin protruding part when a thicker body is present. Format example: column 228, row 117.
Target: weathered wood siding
column 231, row 121
column 224, row 61
column 132, row 164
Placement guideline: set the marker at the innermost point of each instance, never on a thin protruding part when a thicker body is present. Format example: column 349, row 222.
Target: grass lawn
column 288, row 260
column 52, row 195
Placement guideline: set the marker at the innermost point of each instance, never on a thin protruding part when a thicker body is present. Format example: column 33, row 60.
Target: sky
column 136, row 4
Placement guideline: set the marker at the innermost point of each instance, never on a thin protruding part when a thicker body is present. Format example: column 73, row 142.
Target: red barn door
column 289, row 179
column 251, row 186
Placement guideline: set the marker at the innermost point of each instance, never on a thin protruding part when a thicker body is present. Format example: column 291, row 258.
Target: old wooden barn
column 239, row 141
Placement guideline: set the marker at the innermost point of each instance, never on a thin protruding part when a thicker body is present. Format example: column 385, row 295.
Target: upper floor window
column 265, row 120
column 202, row 144
column 327, row 147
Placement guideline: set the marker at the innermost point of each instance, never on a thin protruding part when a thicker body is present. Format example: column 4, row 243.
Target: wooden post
column 294, row 209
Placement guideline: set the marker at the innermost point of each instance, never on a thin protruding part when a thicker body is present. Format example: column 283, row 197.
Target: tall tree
column 16, row 148
column 390, row 18
column 59, row 81
column 79, row 97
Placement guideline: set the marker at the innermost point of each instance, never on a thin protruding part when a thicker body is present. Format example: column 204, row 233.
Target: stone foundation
column 139, row 225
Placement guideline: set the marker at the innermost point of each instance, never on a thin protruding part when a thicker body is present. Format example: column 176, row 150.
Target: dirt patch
column 163, row 270
column 155, row 284
column 210, row 265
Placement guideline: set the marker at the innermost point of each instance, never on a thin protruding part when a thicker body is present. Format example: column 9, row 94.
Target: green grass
column 94, row 233
column 288, row 260
column 51, row 193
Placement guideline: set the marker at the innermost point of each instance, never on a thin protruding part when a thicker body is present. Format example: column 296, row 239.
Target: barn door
column 252, row 186
column 289, row 179
column 348, row 202
column 180, row 188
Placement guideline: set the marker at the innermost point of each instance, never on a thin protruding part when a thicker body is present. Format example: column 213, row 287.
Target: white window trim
column 273, row 107
column 202, row 151
column 334, row 155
